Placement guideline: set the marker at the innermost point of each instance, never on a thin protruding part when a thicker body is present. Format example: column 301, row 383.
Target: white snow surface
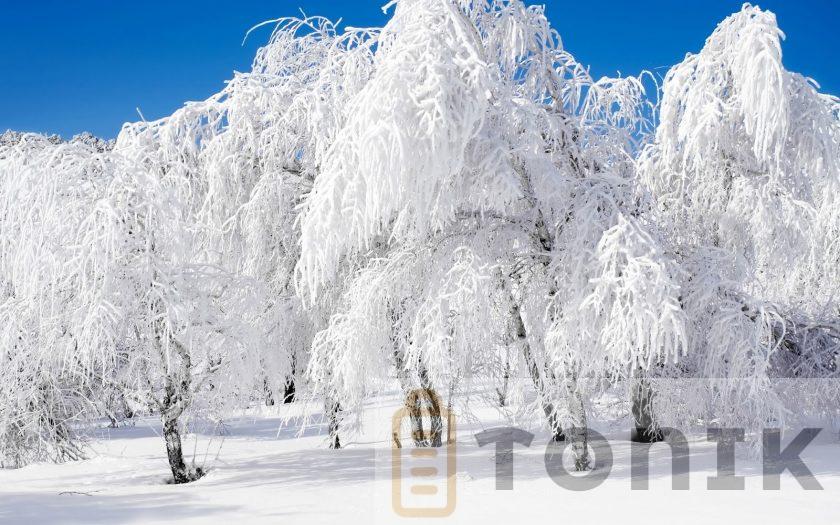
column 263, row 471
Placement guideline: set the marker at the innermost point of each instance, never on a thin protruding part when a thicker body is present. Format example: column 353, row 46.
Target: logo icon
column 423, row 477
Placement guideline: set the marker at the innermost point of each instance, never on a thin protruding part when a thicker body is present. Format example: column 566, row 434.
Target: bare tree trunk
column 127, row 411
column 450, row 434
column 333, row 409
column 112, row 419
column 412, row 402
column 289, row 390
column 109, row 406
column 539, row 384
column 503, row 391
column 176, row 398
column 173, row 408
column 172, row 435
column 577, row 432
column 646, row 430
column 269, row 394
column 436, row 424
column 180, row 473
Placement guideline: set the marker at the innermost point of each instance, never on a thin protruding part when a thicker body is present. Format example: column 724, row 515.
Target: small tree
column 150, row 295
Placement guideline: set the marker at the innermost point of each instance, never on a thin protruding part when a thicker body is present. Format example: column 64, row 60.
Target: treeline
column 451, row 196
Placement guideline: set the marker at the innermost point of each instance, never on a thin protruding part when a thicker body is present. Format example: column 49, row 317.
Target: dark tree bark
column 503, row 390
column 181, row 473
column 127, row 411
column 413, row 404
column 289, row 389
column 172, row 436
column 333, row 409
column 415, row 413
column 176, row 398
column 645, row 428
column 414, row 398
column 269, row 394
column 289, row 392
column 537, row 378
column 577, row 432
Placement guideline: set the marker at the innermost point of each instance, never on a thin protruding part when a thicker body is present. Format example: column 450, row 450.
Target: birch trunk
column 333, row 409
column 436, row 424
column 176, row 398
column 577, row 432
column 645, row 428
column 174, row 452
column 539, row 383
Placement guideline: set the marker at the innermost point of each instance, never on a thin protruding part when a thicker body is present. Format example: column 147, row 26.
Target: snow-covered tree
column 744, row 175
column 173, row 318
column 193, row 215
column 48, row 381
column 279, row 121
column 106, row 287
column 483, row 175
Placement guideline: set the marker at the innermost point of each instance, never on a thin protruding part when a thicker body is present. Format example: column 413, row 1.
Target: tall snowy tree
column 744, row 174
column 189, row 217
column 484, row 175
column 279, row 120
column 175, row 319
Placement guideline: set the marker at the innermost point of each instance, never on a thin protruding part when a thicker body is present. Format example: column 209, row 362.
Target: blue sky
column 70, row 66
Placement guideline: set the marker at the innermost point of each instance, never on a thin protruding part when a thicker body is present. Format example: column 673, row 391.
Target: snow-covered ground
column 258, row 474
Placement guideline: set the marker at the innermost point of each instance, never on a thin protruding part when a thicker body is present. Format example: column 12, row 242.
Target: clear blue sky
column 68, row 66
